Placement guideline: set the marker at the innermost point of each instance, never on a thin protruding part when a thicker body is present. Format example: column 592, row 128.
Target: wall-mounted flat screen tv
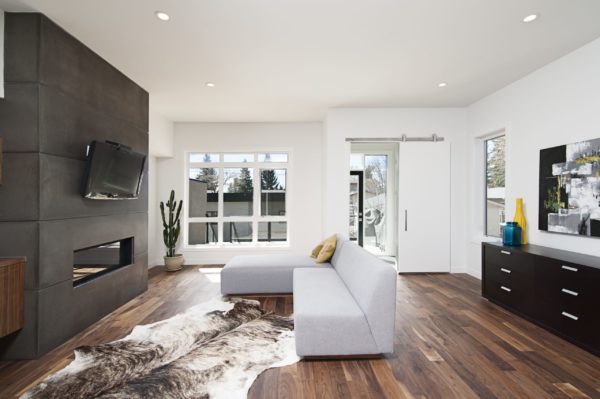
column 113, row 171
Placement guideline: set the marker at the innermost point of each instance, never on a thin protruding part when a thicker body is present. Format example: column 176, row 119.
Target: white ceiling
column 290, row 60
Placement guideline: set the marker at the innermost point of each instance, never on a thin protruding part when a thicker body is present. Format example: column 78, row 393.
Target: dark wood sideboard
column 557, row 290
column 12, row 292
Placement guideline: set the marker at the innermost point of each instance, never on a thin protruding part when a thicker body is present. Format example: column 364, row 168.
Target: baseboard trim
column 473, row 273
column 343, row 357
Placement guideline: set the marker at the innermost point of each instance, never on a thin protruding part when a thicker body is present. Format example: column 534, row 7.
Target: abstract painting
column 570, row 189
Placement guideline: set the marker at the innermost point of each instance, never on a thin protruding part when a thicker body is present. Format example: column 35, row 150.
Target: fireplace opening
column 95, row 261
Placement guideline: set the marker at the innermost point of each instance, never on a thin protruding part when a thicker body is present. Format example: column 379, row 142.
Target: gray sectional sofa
column 343, row 308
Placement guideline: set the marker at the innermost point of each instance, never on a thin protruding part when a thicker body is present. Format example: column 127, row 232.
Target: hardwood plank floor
column 450, row 343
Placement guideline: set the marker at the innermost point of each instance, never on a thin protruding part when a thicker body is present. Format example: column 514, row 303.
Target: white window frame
column 256, row 204
column 484, row 140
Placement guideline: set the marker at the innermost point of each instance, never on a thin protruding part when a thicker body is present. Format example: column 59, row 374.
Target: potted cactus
column 171, row 230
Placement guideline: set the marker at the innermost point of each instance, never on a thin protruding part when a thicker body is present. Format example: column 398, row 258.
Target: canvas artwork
column 570, row 189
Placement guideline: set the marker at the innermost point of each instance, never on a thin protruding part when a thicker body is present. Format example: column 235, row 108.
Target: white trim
column 481, row 185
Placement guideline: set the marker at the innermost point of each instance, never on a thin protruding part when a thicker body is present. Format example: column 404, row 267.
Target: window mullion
column 220, row 207
column 257, row 205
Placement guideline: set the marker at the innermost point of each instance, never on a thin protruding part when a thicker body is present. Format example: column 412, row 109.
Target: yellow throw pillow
column 326, row 253
column 327, row 250
column 318, row 248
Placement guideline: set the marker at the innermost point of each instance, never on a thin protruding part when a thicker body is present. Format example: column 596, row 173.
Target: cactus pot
column 174, row 263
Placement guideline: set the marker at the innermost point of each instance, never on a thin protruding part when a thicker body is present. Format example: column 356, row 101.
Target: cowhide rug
column 213, row 350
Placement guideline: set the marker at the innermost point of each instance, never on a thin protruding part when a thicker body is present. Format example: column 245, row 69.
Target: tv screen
column 113, row 171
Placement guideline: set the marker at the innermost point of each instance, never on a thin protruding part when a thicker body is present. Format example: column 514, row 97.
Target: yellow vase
column 520, row 219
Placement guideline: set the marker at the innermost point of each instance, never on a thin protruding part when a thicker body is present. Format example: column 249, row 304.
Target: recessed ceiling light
column 530, row 18
column 442, row 84
column 163, row 16
column 210, row 84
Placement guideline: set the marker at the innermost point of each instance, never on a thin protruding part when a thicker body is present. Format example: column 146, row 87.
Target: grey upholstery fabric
column 372, row 283
column 347, row 309
column 327, row 319
column 341, row 240
column 263, row 274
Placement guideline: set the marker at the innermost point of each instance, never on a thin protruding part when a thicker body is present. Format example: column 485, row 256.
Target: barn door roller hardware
column 402, row 139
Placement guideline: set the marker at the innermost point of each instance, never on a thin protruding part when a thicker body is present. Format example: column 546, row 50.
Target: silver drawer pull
column 505, row 270
column 505, row 288
column 505, row 252
column 566, row 291
column 570, row 316
column 569, row 268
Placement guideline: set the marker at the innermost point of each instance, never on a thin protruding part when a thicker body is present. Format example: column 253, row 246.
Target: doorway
column 373, row 198
column 424, row 207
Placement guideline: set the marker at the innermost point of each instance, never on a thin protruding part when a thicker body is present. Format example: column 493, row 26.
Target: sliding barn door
column 424, row 207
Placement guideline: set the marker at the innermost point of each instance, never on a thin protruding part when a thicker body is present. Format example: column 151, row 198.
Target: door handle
column 505, row 288
column 405, row 220
column 505, row 270
column 566, row 291
column 569, row 268
column 570, row 316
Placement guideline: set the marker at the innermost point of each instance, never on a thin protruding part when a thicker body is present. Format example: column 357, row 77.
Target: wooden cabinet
column 12, row 292
column 555, row 289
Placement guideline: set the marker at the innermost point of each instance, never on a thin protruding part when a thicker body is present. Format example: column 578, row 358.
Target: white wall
column 1, row 54
column 161, row 146
column 558, row 104
column 161, row 135
column 302, row 140
column 393, row 122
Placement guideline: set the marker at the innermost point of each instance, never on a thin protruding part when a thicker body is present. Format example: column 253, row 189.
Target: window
column 237, row 198
column 494, row 185
column 238, row 189
column 272, row 192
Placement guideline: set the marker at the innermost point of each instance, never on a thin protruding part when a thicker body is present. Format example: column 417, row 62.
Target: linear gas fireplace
column 92, row 262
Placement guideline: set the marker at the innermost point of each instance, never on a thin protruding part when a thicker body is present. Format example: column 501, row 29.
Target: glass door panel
column 375, row 203
column 356, row 207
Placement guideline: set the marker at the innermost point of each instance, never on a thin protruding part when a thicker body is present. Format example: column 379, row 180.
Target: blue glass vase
column 512, row 234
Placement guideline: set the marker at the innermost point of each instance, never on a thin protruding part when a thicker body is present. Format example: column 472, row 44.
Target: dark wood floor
column 450, row 343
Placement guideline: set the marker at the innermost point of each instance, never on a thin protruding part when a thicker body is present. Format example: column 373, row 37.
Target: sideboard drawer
column 510, row 295
column 555, row 313
column 507, row 257
column 581, row 326
column 517, row 276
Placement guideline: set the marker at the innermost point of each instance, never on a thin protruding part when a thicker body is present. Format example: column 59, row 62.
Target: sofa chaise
column 342, row 308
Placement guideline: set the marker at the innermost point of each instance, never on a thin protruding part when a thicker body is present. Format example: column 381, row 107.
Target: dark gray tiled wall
column 60, row 96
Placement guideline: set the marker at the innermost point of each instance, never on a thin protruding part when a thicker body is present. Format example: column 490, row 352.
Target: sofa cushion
column 327, row 319
column 341, row 240
column 372, row 283
column 263, row 274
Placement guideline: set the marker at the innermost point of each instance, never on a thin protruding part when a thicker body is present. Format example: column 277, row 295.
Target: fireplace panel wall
column 77, row 233
column 75, row 308
column 53, row 107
